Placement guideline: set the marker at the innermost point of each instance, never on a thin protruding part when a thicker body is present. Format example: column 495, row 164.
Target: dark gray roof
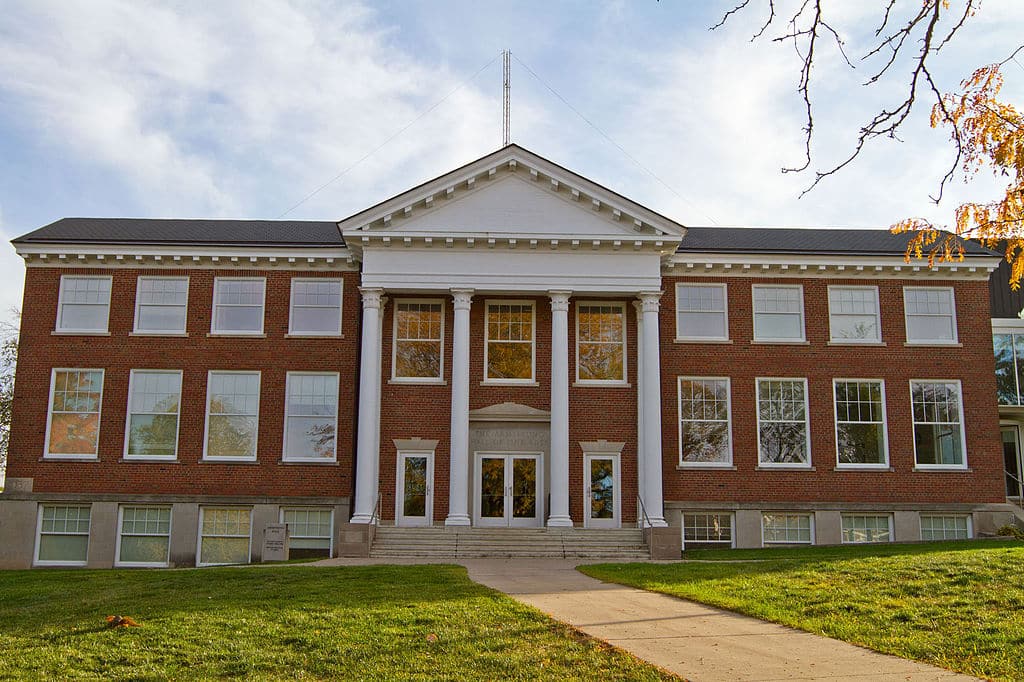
column 803, row 241
column 187, row 231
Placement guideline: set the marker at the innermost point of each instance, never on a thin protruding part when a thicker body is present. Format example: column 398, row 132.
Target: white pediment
column 509, row 412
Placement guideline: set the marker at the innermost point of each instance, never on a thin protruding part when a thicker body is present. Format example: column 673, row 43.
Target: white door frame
column 508, row 521
column 616, row 520
column 400, row 518
column 1020, row 450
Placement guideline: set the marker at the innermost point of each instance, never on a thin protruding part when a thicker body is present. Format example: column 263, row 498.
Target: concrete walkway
column 694, row 641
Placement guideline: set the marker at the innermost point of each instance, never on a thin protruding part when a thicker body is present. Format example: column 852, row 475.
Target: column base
column 658, row 522
column 457, row 520
column 559, row 522
column 362, row 518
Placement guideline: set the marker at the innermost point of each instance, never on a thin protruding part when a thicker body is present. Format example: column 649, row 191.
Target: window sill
column 932, row 344
column 227, row 460
column 69, row 458
column 780, row 342
column 699, row 340
column 236, row 335
column 159, row 334
column 291, row 335
column 785, row 467
column 865, row 467
column 418, row 382
column 705, row 467
column 601, row 384
column 495, row 382
column 309, row 462
column 60, row 332
column 858, row 344
column 943, row 469
column 151, row 460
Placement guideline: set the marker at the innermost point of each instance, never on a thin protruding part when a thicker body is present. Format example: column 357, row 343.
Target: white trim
column 931, row 342
column 846, row 515
column 49, row 414
column 487, row 381
column 624, row 344
column 708, row 512
column 885, row 425
column 234, row 332
column 428, row 512
column 1018, row 471
column 138, row 306
column 120, row 256
column 538, row 458
column 754, row 313
column 39, row 534
column 852, row 266
column 878, row 315
column 128, row 415
column 616, row 520
column 120, row 532
column 939, row 515
column 809, row 515
column 1002, row 325
column 307, row 507
column 963, row 426
column 199, row 540
column 807, row 425
column 725, row 312
column 439, row 379
column 206, row 427
column 284, row 431
column 59, row 328
column 291, row 306
column 679, row 422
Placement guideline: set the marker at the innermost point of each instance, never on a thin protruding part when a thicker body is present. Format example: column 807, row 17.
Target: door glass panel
column 492, row 487
column 602, row 489
column 1010, row 461
column 524, row 488
column 415, row 493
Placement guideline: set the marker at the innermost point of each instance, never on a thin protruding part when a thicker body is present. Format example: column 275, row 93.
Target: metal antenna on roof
column 506, row 61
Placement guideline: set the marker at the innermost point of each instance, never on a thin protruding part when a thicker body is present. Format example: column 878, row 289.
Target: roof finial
column 506, row 60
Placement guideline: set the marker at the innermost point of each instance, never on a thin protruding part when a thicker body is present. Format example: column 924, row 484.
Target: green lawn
column 298, row 622
column 955, row 605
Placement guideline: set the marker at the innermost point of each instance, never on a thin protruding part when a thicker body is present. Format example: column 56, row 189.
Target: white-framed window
column 143, row 536
column 311, row 417
column 310, row 531
column 73, row 418
column 707, row 530
column 509, row 348
column 161, row 305
column 315, row 307
column 225, row 535
column 238, row 305
column 937, row 408
column 784, row 437
column 702, row 312
column 853, row 314
column 417, row 354
column 861, row 437
column 946, row 527
column 930, row 315
column 705, row 421
column 83, row 304
column 861, row 528
column 232, row 415
column 787, row 529
column 778, row 312
column 154, row 404
column 62, row 535
column 600, row 342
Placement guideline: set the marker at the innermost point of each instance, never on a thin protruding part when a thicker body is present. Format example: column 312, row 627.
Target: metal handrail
column 375, row 517
column 1020, row 488
column 643, row 513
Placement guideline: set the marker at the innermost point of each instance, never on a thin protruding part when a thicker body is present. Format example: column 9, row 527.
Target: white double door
column 508, row 490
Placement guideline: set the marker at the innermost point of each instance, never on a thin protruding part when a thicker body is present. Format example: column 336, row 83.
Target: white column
column 559, row 466
column 650, row 388
column 458, row 469
column 368, row 429
column 641, row 470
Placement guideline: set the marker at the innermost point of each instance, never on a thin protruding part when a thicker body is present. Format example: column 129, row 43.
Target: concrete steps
column 465, row 543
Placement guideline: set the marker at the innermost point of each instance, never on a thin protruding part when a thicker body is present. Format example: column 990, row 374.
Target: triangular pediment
column 509, row 412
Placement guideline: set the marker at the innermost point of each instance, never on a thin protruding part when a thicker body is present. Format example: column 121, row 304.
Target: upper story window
column 509, row 348
column 73, row 420
column 938, row 424
column 778, row 312
column 418, row 341
column 238, row 305
column 931, row 314
column 83, row 304
column 161, row 305
column 1009, row 352
column 311, row 417
column 601, row 343
column 860, row 422
column 232, row 415
column 316, row 307
column 782, row 425
column 704, row 421
column 853, row 315
column 154, row 399
column 702, row 312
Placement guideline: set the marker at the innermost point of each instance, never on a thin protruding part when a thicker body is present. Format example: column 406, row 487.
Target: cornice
column 170, row 256
column 830, row 266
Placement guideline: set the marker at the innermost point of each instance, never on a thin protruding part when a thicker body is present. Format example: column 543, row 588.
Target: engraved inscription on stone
column 275, row 542
column 526, row 439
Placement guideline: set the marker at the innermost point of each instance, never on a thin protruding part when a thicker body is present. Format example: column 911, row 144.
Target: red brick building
column 508, row 345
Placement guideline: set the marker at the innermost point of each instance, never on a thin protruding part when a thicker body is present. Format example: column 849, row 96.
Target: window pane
column 937, row 423
column 231, row 436
column 154, row 435
column 224, row 551
column 710, row 325
column 860, row 425
column 238, row 318
column 144, row 549
column 704, row 416
column 85, row 303
column 161, row 318
column 707, row 530
column 853, row 314
column 782, row 422
column 238, row 305
column 319, row 320
column 74, row 434
column 162, row 304
column 866, row 528
column 778, row 326
column 787, row 528
column 929, row 314
column 64, row 548
column 418, row 359
column 309, row 437
column 509, row 360
column 84, row 317
column 934, row 527
column 601, row 362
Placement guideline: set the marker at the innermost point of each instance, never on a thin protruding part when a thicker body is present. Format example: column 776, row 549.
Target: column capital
column 560, row 300
column 649, row 301
column 462, row 298
column 373, row 297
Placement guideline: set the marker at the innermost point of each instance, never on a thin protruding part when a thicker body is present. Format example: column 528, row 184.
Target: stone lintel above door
column 509, row 412
column 601, row 447
column 416, row 444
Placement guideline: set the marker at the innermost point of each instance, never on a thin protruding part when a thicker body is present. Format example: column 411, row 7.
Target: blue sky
column 240, row 109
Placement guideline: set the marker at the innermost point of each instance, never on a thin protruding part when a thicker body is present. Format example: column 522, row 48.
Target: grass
column 955, row 605
column 372, row 622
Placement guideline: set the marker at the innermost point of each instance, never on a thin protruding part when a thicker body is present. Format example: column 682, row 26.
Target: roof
column 803, row 241
column 187, row 231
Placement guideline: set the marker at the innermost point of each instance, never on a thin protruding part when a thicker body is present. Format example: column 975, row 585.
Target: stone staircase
column 465, row 543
